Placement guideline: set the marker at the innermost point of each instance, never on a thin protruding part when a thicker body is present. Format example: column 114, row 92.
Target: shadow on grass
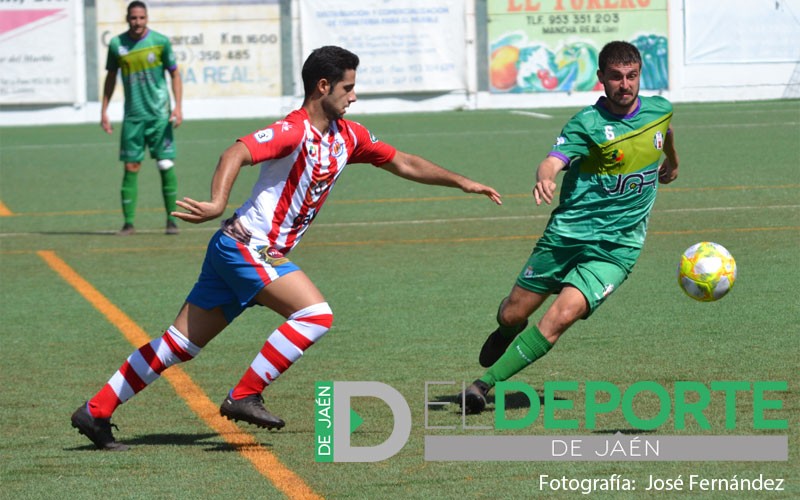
column 174, row 439
column 514, row 400
column 634, row 432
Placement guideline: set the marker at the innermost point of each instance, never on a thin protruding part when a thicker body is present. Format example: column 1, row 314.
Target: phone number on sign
column 565, row 19
column 211, row 55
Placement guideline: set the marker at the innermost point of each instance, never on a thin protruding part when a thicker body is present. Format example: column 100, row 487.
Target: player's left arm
column 418, row 169
column 668, row 171
column 177, row 91
column 230, row 163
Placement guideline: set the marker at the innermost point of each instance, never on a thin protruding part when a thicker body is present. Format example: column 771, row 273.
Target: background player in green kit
column 142, row 56
column 611, row 152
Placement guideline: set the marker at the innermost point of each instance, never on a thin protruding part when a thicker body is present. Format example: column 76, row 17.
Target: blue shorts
column 233, row 273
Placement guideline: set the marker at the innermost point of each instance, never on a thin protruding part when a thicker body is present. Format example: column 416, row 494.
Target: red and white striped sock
column 141, row 369
column 283, row 347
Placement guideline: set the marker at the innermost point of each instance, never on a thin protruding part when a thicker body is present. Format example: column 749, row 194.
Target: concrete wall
column 688, row 82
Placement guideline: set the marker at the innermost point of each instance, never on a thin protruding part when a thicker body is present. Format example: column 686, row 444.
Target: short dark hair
column 136, row 4
column 328, row 62
column 618, row 52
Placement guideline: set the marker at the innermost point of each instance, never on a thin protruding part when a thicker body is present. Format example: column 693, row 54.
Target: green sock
column 169, row 189
column 529, row 346
column 130, row 192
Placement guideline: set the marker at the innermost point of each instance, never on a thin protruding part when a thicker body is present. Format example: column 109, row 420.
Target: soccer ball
column 707, row 271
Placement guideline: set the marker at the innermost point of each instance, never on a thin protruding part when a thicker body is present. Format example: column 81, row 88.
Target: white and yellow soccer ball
column 707, row 271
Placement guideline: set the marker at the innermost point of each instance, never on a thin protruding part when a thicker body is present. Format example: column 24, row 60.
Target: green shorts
column 594, row 268
column 155, row 134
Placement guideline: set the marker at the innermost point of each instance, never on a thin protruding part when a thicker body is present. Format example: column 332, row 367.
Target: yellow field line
column 265, row 462
column 730, row 229
column 4, row 211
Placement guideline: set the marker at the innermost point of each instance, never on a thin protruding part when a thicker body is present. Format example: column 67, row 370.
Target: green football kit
column 142, row 64
column 596, row 233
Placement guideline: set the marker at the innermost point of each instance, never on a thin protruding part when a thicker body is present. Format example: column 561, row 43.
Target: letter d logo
column 401, row 414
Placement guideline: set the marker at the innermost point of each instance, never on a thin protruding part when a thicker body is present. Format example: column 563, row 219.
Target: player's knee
column 323, row 314
column 165, row 164
column 132, row 166
column 510, row 315
column 315, row 320
column 506, row 317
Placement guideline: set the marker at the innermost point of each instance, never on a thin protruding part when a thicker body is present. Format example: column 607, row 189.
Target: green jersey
column 611, row 180
column 143, row 63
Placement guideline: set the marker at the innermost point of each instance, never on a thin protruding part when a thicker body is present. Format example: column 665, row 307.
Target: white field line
column 214, row 227
column 531, row 113
column 441, row 133
column 537, row 216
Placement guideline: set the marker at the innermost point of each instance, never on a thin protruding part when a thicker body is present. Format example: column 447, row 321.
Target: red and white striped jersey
column 299, row 166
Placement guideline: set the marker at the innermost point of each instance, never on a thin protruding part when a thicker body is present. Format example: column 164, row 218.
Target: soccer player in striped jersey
column 611, row 153
column 247, row 263
column 142, row 57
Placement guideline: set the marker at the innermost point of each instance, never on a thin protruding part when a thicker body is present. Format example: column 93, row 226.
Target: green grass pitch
column 414, row 275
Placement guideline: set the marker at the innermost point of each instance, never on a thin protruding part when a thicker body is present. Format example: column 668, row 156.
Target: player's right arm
column 545, row 186
column 230, row 163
